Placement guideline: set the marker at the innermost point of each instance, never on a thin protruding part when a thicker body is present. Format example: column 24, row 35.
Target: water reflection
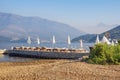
column 6, row 58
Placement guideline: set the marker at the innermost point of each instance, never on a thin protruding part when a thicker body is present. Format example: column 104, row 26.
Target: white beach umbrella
column 105, row 40
column 112, row 43
column 116, row 41
column 53, row 40
column 97, row 40
column 38, row 40
column 29, row 40
column 81, row 44
column 69, row 42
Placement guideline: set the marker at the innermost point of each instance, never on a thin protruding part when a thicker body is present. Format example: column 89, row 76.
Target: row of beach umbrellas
column 105, row 40
column 54, row 41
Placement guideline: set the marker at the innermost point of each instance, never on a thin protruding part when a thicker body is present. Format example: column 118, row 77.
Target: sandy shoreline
column 57, row 70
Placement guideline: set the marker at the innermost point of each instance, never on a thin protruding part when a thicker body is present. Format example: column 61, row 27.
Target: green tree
column 105, row 54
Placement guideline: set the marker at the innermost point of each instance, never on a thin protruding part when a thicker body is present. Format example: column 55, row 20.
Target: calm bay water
column 20, row 59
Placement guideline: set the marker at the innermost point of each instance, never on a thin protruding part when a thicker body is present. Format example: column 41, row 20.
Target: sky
column 84, row 15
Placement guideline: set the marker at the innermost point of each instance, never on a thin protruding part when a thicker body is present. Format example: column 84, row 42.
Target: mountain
column 88, row 38
column 18, row 27
column 101, row 27
column 112, row 34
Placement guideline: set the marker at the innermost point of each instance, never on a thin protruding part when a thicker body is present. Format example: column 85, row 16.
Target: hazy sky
column 82, row 14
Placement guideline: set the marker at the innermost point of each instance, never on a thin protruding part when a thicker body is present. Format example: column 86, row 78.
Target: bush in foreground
column 105, row 54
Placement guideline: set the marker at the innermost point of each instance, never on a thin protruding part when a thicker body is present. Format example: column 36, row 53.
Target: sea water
column 21, row 59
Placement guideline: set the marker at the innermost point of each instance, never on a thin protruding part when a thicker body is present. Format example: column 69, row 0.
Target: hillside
column 18, row 27
column 85, row 38
column 114, row 34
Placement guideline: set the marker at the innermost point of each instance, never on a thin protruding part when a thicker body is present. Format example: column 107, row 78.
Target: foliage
column 105, row 54
column 119, row 41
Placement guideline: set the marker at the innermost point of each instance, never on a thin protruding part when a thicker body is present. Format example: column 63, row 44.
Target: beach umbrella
column 112, row 43
column 81, row 44
column 38, row 40
column 105, row 40
column 53, row 41
column 69, row 42
column 97, row 40
column 116, row 41
column 29, row 40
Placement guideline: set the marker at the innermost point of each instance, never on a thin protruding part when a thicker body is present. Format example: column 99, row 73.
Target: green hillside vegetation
column 105, row 54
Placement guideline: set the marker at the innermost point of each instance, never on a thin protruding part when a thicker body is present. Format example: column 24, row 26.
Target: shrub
column 119, row 41
column 105, row 54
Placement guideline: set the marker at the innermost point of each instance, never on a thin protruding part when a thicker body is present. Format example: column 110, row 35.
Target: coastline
column 48, row 69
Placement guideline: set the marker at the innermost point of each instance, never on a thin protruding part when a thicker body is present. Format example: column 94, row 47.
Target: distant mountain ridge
column 101, row 27
column 17, row 27
column 114, row 34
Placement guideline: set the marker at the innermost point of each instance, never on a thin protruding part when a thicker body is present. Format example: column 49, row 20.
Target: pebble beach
column 57, row 70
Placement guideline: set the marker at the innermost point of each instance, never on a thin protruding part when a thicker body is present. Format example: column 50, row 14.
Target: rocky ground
column 57, row 70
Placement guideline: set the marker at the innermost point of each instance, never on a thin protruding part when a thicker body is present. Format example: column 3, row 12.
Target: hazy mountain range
column 101, row 27
column 113, row 34
column 16, row 27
